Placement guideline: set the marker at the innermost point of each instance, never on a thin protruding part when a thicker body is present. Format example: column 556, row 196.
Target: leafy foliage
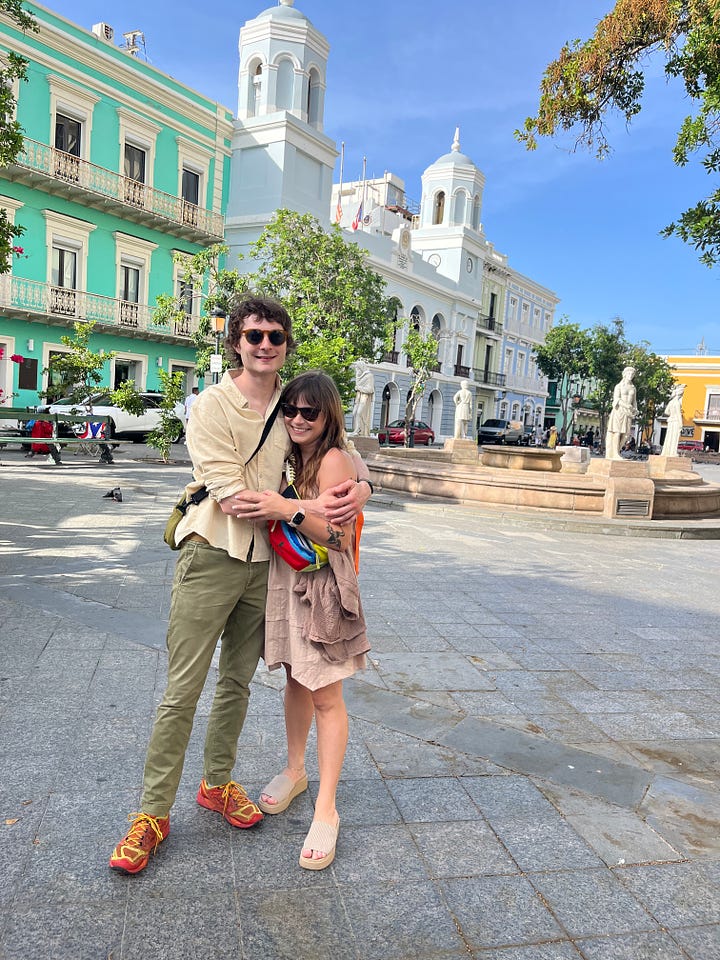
column 164, row 435
column 203, row 271
column 337, row 303
column 421, row 349
column 12, row 67
column 563, row 357
column 653, row 381
column 607, row 353
column 605, row 74
column 80, row 367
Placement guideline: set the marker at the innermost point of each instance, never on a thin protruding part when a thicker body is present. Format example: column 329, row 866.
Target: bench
column 55, row 443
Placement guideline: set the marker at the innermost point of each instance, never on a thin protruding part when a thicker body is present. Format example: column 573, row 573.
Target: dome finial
column 286, row 3
column 456, row 141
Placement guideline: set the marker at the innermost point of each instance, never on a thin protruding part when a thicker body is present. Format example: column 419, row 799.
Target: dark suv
column 500, row 431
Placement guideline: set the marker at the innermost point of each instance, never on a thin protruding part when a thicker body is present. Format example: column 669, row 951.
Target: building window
column 459, row 217
column 68, row 137
column 129, row 295
column 476, row 213
column 313, row 100
column 135, row 170
column 63, row 293
column 439, row 208
column 513, row 308
column 521, row 364
column 507, row 362
column 190, row 189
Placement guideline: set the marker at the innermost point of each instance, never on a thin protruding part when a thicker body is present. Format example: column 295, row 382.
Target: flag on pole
column 358, row 217
column 338, row 212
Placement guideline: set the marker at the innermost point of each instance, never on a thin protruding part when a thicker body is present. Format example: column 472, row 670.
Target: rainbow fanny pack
column 297, row 550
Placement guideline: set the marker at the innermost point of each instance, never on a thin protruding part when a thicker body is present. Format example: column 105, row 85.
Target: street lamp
column 218, row 317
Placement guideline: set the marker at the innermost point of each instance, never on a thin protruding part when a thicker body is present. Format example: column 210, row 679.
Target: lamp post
column 218, row 321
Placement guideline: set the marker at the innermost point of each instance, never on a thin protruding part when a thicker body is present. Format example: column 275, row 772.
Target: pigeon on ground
column 114, row 494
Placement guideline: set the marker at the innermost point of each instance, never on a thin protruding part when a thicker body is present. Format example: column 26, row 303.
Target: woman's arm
column 336, row 468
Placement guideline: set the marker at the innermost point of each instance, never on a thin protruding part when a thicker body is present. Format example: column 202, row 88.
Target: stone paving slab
column 533, row 764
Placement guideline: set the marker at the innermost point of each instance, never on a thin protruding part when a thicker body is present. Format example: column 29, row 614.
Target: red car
column 690, row 446
column 424, row 434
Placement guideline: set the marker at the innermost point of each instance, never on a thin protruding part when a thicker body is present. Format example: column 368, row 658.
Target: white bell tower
column 280, row 155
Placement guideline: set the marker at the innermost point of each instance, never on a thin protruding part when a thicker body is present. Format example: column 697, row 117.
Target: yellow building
column 701, row 400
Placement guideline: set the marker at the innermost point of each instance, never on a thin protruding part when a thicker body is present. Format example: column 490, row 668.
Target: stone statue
column 463, row 410
column 622, row 414
column 364, row 400
column 673, row 412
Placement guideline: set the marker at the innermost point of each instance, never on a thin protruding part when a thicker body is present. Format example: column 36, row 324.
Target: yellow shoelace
column 138, row 829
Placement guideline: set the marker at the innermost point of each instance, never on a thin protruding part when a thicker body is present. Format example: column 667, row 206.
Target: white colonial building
column 445, row 275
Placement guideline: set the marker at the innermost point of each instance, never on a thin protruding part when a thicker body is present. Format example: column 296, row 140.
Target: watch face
column 297, row 518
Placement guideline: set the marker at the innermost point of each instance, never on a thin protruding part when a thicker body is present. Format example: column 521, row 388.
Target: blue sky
column 402, row 76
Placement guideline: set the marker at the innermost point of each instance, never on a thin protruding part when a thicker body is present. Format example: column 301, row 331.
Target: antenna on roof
column 701, row 349
column 135, row 43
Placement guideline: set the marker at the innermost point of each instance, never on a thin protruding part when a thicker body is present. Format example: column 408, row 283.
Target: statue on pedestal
column 623, row 412
column 463, row 410
column 364, row 400
column 673, row 412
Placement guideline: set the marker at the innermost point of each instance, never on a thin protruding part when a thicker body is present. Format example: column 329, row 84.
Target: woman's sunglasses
column 256, row 337
column 307, row 413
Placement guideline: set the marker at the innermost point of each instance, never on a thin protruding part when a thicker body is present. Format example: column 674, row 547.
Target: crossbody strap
column 203, row 492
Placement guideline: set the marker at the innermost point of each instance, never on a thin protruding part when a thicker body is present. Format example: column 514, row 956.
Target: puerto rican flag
column 90, row 431
column 358, row 217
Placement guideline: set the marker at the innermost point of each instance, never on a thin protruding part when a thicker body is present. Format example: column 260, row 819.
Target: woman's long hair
column 316, row 389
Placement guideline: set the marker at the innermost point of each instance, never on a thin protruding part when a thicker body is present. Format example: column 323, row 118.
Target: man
column 190, row 400
column 220, row 581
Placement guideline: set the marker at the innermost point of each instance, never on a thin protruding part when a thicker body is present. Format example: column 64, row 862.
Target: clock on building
column 469, row 264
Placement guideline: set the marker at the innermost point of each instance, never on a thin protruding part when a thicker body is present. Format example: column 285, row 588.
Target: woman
column 314, row 623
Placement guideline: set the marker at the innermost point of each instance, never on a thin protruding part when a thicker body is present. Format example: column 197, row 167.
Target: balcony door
column 63, row 290
column 190, row 196
column 134, row 169
column 68, row 140
column 129, row 295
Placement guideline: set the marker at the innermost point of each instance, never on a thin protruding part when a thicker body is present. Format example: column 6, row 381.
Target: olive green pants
column 213, row 595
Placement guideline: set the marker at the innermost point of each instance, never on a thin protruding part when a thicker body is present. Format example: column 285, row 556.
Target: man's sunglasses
column 307, row 413
column 256, row 337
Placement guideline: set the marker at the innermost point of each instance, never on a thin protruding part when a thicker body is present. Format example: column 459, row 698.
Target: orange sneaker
column 232, row 802
column 131, row 855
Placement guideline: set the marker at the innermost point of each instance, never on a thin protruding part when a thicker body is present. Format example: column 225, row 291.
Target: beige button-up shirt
column 221, row 436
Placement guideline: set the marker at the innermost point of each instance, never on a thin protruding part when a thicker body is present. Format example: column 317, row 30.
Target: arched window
column 285, row 83
column 254, row 89
column 415, row 318
column 313, row 98
column 439, row 207
column 436, row 326
column 459, row 217
column 476, row 212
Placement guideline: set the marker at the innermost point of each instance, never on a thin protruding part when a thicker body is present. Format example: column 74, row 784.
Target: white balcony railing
column 44, row 299
column 58, row 165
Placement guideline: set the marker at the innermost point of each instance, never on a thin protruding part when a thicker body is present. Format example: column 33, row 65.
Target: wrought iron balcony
column 391, row 356
column 460, row 371
column 54, row 170
column 61, row 305
column 489, row 378
column 489, row 323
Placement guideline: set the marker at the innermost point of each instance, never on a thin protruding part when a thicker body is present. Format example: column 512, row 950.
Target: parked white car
column 122, row 424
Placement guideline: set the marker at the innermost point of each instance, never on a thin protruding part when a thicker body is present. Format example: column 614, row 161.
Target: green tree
column 12, row 68
column 421, row 350
column 80, row 367
column 607, row 351
column 606, row 73
column 653, row 382
column 169, row 428
column 201, row 272
column 337, row 303
column 563, row 357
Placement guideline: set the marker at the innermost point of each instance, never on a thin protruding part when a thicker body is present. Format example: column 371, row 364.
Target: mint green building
column 122, row 167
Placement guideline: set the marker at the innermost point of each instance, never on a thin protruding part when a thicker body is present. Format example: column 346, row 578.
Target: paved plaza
column 534, row 749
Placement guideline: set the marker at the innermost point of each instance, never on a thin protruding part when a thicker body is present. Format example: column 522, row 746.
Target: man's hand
column 342, row 503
